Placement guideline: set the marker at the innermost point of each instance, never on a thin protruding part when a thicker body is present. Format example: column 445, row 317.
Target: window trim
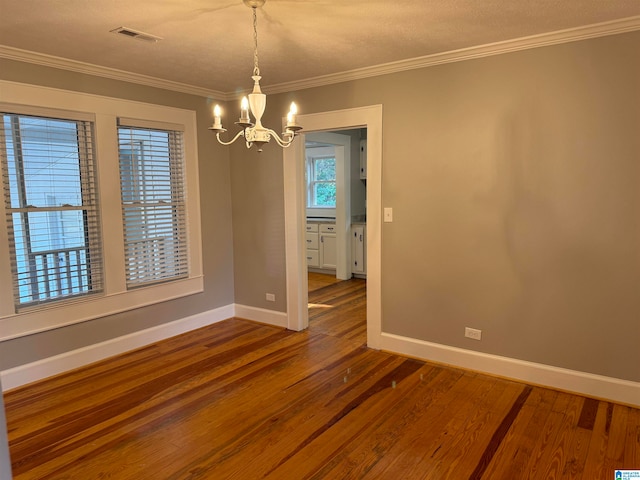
column 23, row 98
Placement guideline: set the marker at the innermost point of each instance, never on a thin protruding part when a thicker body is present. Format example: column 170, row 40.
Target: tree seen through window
column 322, row 182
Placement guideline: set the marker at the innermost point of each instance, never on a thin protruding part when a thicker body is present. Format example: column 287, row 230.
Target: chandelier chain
column 256, row 70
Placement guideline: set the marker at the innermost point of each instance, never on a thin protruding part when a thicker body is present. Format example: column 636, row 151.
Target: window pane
column 151, row 177
column 52, row 260
column 325, row 194
column 51, row 162
column 325, row 169
column 51, row 208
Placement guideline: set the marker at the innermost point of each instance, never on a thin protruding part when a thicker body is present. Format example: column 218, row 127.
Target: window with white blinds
column 50, row 193
column 153, row 203
column 69, row 253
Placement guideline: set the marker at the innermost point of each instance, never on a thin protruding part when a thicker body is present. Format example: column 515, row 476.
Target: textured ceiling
column 208, row 43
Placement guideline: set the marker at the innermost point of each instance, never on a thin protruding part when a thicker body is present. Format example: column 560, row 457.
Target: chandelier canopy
column 256, row 133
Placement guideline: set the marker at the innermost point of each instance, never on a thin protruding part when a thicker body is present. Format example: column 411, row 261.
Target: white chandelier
column 256, row 103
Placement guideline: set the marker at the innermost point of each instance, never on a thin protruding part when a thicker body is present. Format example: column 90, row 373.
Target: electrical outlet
column 271, row 297
column 473, row 333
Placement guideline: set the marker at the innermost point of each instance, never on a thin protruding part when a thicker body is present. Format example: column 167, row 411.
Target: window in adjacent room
column 321, row 179
column 153, row 207
column 48, row 173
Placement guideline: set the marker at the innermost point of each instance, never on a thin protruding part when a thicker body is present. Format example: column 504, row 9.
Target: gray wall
column 215, row 199
column 514, row 183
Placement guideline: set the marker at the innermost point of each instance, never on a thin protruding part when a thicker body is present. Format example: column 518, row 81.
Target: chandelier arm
column 238, row 135
column 282, row 142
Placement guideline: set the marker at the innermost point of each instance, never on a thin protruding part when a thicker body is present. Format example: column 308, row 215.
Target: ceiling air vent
column 138, row 35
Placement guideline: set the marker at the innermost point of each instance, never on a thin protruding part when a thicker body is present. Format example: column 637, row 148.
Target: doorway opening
column 335, row 232
column 369, row 118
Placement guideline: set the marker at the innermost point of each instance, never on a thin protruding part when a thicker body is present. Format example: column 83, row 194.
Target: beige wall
column 514, row 183
column 216, row 222
column 515, row 186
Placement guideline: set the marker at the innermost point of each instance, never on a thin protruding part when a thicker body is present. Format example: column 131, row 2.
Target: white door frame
column 294, row 205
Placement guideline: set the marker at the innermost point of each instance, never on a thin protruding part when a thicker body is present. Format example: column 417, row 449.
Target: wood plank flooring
column 241, row 400
column 319, row 280
column 338, row 308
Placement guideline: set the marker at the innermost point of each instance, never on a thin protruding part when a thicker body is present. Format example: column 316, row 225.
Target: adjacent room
column 420, row 258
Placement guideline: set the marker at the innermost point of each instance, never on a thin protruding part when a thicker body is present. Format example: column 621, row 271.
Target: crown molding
column 613, row 27
column 27, row 56
column 498, row 48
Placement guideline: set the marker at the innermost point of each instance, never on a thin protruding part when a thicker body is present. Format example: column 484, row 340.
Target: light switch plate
column 388, row 214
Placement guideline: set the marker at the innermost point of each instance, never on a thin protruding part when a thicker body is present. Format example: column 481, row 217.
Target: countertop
column 356, row 219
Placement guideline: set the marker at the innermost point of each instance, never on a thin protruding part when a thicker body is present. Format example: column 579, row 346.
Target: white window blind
column 153, row 204
column 50, row 193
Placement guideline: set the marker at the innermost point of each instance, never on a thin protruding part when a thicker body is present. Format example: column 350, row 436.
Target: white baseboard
column 270, row 317
column 599, row 386
column 47, row 367
column 622, row 391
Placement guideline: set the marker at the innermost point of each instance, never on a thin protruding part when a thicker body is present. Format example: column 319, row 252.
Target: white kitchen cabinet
column 328, row 228
column 322, row 246
column 363, row 159
column 313, row 243
column 358, row 249
column 328, row 248
column 312, row 240
column 313, row 258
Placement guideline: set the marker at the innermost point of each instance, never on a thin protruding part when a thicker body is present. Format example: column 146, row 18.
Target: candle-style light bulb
column 244, row 110
column 216, row 117
column 291, row 116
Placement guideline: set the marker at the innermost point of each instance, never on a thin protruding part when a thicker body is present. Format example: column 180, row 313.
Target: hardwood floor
column 338, row 308
column 319, row 280
column 245, row 401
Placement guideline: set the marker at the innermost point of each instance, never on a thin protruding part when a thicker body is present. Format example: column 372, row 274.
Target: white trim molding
column 47, row 367
column 261, row 315
column 369, row 117
column 614, row 27
column 598, row 386
column 11, row 53
column 622, row 391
